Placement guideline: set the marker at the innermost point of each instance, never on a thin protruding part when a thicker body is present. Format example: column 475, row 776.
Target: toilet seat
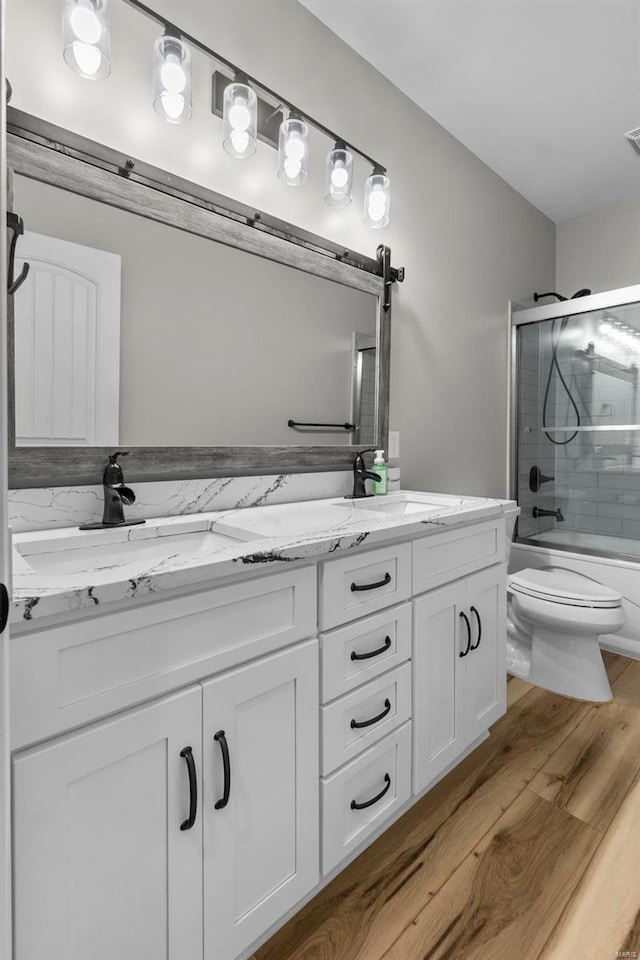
column 563, row 587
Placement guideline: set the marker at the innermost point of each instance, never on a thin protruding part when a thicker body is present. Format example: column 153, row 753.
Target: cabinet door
column 485, row 666
column 102, row 868
column 261, row 847
column 438, row 690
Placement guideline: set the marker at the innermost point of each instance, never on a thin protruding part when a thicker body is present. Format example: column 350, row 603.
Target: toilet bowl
column 554, row 620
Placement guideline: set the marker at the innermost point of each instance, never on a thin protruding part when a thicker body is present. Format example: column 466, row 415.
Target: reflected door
column 67, row 345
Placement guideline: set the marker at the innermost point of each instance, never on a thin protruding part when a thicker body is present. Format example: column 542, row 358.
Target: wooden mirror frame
column 42, row 151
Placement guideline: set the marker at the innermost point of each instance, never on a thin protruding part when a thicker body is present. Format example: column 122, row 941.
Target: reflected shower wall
column 577, row 420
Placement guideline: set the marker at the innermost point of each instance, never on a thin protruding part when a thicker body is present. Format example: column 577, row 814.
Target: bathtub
column 621, row 575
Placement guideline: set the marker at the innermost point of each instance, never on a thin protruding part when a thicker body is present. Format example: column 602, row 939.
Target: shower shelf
column 601, row 428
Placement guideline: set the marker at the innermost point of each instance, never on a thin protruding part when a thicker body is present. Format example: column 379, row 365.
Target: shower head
column 580, row 293
column 539, row 296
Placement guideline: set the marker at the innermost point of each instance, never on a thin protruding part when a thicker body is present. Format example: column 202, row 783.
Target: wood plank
column 360, row 914
column 591, row 772
column 603, row 916
column 508, row 893
column 516, row 689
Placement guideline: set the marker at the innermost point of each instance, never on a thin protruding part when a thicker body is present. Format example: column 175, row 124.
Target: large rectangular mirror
column 153, row 323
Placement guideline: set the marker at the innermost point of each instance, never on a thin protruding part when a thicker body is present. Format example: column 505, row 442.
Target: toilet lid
column 562, row 586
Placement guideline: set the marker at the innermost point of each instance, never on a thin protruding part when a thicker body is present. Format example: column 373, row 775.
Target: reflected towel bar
column 330, row 426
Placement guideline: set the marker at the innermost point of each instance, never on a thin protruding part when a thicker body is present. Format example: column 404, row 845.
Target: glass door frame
column 519, row 316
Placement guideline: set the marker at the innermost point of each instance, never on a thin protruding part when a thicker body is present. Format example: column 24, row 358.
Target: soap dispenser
column 380, row 467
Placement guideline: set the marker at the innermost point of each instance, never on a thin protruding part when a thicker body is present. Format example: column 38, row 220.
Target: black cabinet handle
column 474, row 646
column 369, row 803
column 4, row 607
column 358, row 724
column 187, row 754
column 468, row 625
column 372, row 653
column 372, row 586
column 226, row 765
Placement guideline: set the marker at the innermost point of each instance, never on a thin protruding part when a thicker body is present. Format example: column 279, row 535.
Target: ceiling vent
column 634, row 139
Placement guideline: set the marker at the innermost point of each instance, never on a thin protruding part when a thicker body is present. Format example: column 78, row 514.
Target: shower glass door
column 576, row 425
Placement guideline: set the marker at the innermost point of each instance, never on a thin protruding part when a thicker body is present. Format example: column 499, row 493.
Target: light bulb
column 239, row 120
column 292, row 167
column 240, row 140
column 377, row 199
column 85, row 24
column 173, row 105
column 86, row 41
column 173, row 77
column 605, row 328
column 377, row 204
column 87, row 57
column 339, row 175
column 239, row 116
column 294, row 147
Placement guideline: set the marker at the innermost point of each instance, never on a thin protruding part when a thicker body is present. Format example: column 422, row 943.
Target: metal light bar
column 275, row 97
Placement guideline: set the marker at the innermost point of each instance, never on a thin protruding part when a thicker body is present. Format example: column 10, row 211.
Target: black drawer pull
column 372, row 586
column 226, row 766
column 474, row 646
column 187, row 754
column 468, row 625
column 373, row 653
column 4, row 607
column 369, row 803
column 358, row 724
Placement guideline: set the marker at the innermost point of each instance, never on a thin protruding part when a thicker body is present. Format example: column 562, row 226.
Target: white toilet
column 554, row 619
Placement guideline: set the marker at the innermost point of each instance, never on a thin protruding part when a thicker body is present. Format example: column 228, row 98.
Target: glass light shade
column 172, row 79
column 293, row 151
column 239, row 120
column 377, row 200
column 338, row 180
column 86, row 40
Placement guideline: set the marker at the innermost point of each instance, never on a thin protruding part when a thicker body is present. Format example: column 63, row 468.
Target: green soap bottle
column 380, row 467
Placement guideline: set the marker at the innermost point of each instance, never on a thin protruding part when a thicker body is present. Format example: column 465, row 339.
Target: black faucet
column 361, row 475
column 541, row 512
column 115, row 495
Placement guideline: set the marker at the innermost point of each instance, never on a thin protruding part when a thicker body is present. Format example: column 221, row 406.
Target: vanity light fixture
column 86, row 38
column 338, row 180
column 377, row 198
column 172, row 78
column 293, row 150
column 239, row 119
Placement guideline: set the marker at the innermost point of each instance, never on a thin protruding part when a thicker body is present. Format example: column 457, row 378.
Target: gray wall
column 600, row 250
column 469, row 242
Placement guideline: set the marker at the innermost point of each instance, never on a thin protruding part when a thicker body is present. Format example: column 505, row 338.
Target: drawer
column 361, row 718
column 363, row 650
column 358, row 799
column 448, row 556
column 353, row 586
column 66, row 676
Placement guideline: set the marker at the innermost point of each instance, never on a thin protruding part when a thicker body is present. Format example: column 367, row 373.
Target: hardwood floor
column 528, row 850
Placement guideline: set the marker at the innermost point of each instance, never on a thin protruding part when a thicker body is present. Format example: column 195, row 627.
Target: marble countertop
column 50, row 591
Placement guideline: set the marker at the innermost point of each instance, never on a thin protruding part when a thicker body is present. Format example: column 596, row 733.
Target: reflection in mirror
column 132, row 332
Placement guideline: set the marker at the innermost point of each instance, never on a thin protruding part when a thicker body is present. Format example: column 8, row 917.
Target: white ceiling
column 542, row 90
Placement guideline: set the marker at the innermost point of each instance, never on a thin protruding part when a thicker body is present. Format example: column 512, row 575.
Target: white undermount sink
column 69, row 552
column 403, row 503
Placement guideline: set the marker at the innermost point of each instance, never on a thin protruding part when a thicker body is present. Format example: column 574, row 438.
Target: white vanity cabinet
column 459, row 668
column 303, row 750
column 260, row 796
column 101, row 866
column 109, row 861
